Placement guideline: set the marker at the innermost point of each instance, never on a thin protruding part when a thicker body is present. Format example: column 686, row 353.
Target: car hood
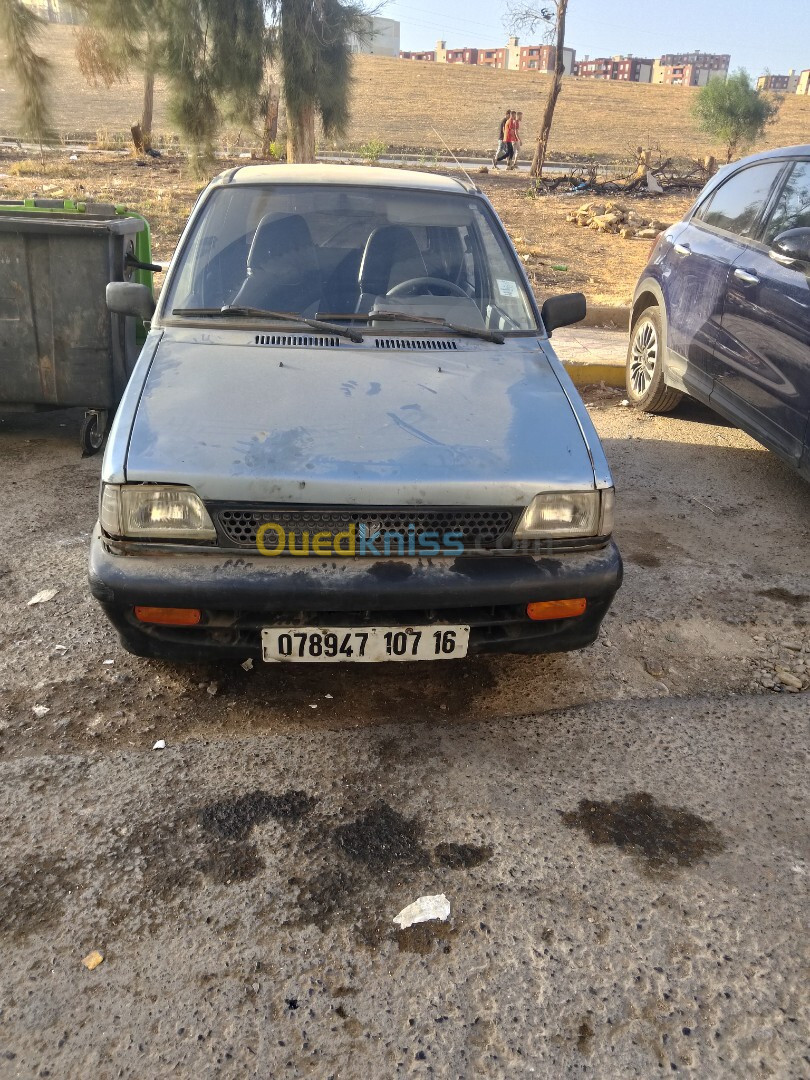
column 461, row 422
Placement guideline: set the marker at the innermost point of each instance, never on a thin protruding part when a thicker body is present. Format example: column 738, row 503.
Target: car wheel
column 645, row 365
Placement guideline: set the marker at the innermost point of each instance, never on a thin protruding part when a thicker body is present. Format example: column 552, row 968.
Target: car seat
column 283, row 273
column 391, row 256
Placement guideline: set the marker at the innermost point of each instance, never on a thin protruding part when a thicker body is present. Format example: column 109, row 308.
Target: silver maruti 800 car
column 348, row 437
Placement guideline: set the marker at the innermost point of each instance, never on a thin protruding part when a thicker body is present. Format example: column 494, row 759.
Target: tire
column 644, row 376
column 92, row 434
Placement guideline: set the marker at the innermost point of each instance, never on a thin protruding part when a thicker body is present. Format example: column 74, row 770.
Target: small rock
column 789, row 680
column 794, row 646
column 92, row 960
column 213, row 689
column 247, row 665
column 40, row 710
column 654, row 668
column 160, row 745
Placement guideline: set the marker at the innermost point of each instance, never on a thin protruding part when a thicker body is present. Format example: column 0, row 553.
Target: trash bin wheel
column 93, row 432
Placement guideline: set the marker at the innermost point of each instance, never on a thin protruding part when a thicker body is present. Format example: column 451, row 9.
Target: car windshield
column 351, row 252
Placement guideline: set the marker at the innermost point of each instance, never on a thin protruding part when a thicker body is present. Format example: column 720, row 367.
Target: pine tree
column 311, row 39
column 212, row 55
column 19, row 29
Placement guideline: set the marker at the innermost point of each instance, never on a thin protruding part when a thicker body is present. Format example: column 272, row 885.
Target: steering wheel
column 420, row 286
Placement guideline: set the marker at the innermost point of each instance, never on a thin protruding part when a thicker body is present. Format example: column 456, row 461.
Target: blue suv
column 722, row 309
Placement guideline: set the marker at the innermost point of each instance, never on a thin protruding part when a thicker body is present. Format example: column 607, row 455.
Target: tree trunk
column 556, row 85
column 270, row 133
column 301, row 135
column 148, row 107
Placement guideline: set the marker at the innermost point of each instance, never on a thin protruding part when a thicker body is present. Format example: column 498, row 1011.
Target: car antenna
column 453, row 156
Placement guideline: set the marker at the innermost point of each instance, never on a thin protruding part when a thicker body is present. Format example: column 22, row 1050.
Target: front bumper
column 240, row 594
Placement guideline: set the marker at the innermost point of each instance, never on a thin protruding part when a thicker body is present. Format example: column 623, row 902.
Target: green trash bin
column 59, row 345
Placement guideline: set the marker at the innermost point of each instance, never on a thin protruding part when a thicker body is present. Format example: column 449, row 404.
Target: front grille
column 476, row 529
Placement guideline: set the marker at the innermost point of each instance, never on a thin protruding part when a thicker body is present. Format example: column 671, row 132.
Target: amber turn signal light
column 169, row 616
column 556, row 609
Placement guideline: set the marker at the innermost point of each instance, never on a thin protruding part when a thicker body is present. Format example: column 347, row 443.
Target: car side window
column 737, row 204
column 792, row 211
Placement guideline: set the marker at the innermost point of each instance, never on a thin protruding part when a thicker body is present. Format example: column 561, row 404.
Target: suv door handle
column 746, row 278
column 682, row 249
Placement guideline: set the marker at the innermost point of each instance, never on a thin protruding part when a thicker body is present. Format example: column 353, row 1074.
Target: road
column 621, row 832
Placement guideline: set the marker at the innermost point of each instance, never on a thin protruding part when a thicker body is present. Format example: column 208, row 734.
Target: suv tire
column 644, row 377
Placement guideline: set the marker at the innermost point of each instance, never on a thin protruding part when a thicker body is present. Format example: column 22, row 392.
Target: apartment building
column 513, row 56
column 543, row 58
column 616, row 68
column 803, row 85
column 495, row 58
column 779, row 84
column 426, row 56
column 459, row 56
column 690, row 69
column 380, row 37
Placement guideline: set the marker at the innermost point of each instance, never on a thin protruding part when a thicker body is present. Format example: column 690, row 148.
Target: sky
column 760, row 35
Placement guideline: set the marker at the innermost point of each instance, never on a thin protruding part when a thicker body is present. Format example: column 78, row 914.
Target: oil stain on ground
column 32, row 896
column 353, row 882
column 645, row 559
column 382, row 838
column 462, row 856
column 785, row 596
column 664, row 836
column 234, row 858
column 422, row 937
column 232, row 819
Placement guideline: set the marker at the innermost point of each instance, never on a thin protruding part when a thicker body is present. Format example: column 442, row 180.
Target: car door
column 762, row 374
column 696, row 274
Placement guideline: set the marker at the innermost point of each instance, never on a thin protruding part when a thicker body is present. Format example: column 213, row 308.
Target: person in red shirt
column 516, row 145
column 509, row 138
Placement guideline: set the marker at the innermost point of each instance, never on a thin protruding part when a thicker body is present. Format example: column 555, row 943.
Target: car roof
column 776, row 152
column 351, row 175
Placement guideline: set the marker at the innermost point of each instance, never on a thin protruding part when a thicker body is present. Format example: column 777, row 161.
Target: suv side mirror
column 794, row 244
column 130, row 298
column 563, row 311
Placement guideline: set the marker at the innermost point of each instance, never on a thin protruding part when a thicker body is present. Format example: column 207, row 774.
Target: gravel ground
column 621, row 832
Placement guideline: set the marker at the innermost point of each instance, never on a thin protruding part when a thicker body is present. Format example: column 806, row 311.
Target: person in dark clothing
column 509, row 140
column 501, row 139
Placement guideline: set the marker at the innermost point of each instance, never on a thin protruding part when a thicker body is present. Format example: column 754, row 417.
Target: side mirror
column 563, row 311
column 130, row 298
column 793, row 245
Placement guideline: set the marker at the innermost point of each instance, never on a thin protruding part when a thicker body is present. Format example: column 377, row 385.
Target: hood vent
column 307, row 341
column 442, row 344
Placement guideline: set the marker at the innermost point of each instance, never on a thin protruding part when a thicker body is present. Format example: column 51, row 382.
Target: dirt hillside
column 399, row 103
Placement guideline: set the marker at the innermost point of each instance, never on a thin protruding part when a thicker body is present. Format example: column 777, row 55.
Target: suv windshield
column 318, row 250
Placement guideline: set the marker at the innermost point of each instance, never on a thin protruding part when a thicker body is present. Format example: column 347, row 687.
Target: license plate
column 369, row 645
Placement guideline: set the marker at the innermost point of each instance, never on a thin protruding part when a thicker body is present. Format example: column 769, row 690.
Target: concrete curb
column 605, row 315
column 584, row 373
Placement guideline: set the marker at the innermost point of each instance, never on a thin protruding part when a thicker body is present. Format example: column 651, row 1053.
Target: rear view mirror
column 130, row 298
column 793, row 244
column 563, row 311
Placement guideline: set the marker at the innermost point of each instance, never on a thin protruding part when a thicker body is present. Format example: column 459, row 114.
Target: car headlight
column 565, row 514
column 154, row 512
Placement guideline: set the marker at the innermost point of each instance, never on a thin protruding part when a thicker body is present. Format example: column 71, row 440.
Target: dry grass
column 399, row 103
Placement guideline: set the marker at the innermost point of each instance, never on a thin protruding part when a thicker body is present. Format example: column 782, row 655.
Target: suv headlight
column 566, row 514
column 154, row 512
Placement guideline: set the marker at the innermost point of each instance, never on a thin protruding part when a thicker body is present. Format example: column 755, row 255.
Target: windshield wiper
column 278, row 316
column 428, row 320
